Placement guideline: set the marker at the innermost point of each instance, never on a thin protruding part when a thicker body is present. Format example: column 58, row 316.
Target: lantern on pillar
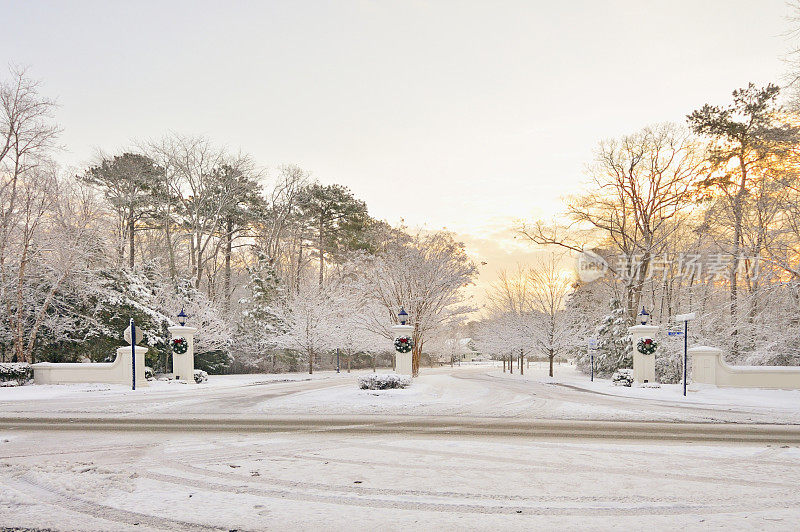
column 644, row 317
column 402, row 316
column 182, row 317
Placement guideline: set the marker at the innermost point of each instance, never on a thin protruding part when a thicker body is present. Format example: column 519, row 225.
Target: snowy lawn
column 55, row 391
column 469, row 390
column 568, row 375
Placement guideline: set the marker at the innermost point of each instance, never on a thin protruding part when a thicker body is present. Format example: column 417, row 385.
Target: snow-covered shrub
column 669, row 360
column 214, row 362
column 148, row 373
column 623, row 377
column 200, row 376
column 15, row 371
column 383, row 381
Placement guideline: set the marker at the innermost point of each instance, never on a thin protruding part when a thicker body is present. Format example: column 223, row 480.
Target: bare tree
column 639, row 183
column 192, row 170
column 425, row 276
column 550, row 287
column 27, row 135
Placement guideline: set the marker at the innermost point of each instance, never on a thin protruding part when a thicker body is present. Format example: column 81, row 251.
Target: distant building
column 461, row 350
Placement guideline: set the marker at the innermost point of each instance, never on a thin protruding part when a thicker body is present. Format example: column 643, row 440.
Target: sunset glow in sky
column 482, row 112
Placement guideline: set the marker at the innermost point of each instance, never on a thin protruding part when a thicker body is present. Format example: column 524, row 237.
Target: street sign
column 674, row 333
column 592, row 343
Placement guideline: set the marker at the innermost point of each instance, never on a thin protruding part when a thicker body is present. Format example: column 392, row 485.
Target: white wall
column 117, row 372
column 709, row 367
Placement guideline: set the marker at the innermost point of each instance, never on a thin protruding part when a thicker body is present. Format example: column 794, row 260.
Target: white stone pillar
column 402, row 360
column 124, row 355
column 183, row 364
column 644, row 366
column 705, row 361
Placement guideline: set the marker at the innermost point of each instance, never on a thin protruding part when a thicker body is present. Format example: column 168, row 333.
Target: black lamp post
column 402, row 316
column 644, row 317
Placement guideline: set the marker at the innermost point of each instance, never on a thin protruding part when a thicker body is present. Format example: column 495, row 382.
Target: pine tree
column 261, row 322
column 614, row 345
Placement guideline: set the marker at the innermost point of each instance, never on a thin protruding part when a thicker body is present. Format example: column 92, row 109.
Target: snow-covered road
column 171, row 481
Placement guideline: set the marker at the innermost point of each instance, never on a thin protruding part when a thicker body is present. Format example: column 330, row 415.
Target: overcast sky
column 465, row 115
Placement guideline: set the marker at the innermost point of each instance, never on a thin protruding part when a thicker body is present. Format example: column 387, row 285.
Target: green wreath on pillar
column 647, row 346
column 404, row 344
column 179, row 346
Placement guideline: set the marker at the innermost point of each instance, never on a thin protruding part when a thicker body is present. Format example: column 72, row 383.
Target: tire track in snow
column 52, row 496
column 367, row 490
column 630, row 506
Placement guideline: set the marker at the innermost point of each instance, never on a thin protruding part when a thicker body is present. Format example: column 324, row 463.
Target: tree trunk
column 226, row 286
column 551, row 356
column 310, row 363
column 321, row 251
column 349, row 361
column 374, row 362
column 511, row 364
column 504, row 364
column 40, row 315
column 131, row 240
column 299, row 266
column 173, row 270
column 19, row 339
column 738, row 202
column 192, row 254
column 416, row 352
column 521, row 358
column 121, row 244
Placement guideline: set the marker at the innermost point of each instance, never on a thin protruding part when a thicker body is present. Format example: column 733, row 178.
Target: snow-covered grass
column 54, row 391
column 698, row 395
column 469, row 390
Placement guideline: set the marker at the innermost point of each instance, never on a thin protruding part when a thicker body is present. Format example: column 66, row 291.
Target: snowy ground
column 313, row 477
column 145, row 481
column 471, row 391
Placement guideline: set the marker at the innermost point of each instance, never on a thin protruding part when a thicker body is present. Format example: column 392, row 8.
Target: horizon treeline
column 276, row 269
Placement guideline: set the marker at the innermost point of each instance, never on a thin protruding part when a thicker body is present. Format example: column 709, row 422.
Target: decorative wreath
column 646, row 346
column 180, row 346
column 404, row 344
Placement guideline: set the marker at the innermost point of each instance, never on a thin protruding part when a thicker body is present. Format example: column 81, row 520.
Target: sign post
column 133, row 355
column 685, row 318
column 592, row 348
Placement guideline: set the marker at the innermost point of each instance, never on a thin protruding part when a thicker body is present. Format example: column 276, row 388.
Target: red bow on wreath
column 648, row 341
column 403, row 340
